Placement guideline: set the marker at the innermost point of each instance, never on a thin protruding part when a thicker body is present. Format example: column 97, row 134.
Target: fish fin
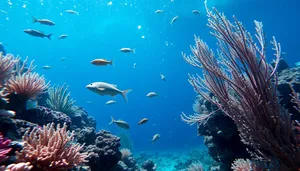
column 49, row 36
column 111, row 63
column 124, row 94
column 101, row 89
column 112, row 120
column 34, row 20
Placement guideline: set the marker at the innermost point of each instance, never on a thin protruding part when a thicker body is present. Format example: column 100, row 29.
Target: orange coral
column 51, row 149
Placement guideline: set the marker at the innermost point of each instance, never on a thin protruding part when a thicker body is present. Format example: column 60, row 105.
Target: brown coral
column 51, row 149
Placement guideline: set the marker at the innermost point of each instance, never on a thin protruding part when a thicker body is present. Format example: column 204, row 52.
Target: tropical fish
column 37, row 33
column 174, row 19
column 72, row 12
column 101, row 62
column 143, row 121
column 110, row 102
column 152, row 94
column 46, row 67
column 103, row 88
column 162, row 77
column 155, row 137
column 7, row 113
column 43, row 21
column 127, row 50
column 158, row 11
column 120, row 123
column 196, row 12
column 63, row 36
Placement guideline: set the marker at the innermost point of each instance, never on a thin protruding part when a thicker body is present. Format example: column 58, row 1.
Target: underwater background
column 103, row 27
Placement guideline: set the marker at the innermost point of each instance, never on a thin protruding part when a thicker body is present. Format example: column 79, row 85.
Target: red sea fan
column 51, row 149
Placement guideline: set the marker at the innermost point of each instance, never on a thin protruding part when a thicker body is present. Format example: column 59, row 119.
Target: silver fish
column 103, row 88
column 72, row 12
column 152, row 94
column 120, row 123
column 63, row 36
column 196, row 12
column 155, row 137
column 174, row 19
column 110, row 102
column 158, row 11
column 127, row 50
column 7, row 113
column 37, row 33
column 162, row 77
column 43, row 21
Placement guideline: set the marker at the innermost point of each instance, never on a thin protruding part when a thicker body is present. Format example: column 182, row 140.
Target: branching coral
column 51, row 149
column 244, row 87
column 59, row 99
column 244, row 165
column 26, row 83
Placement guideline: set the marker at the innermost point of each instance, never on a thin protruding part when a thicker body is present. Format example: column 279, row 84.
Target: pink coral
column 51, row 149
column 19, row 167
column 4, row 149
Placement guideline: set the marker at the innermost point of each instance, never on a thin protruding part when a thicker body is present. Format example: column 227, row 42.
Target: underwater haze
column 102, row 28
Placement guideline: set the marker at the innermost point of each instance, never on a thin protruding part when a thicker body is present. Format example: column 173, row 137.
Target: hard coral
column 51, row 149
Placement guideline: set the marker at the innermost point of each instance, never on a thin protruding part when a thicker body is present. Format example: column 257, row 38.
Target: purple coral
column 4, row 149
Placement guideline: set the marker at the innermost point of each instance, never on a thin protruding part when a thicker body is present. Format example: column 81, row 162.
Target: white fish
column 162, row 77
column 120, row 123
column 152, row 94
column 174, row 19
column 63, row 36
column 103, row 88
column 7, row 113
column 155, row 137
column 196, row 12
column 110, row 102
column 127, row 50
column 46, row 67
column 158, row 11
column 72, row 12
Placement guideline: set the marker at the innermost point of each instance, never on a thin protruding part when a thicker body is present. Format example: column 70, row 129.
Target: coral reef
column 4, row 149
column 48, row 148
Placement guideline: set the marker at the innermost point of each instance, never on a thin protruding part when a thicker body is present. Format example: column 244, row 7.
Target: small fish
column 152, row 94
column 88, row 102
column 162, row 77
column 37, row 33
column 158, row 11
column 143, row 121
column 297, row 64
column 46, row 67
column 63, row 58
column 72, row 12
column 43, row 21
column 120, row 123
column 63, row 36
column 155, row 137
column 127, row 50
column 110, row 102
column 196, row 12
column 101, row 62
column 7, row 113
column 103, row 88
column 134, row 65
column 174, row 19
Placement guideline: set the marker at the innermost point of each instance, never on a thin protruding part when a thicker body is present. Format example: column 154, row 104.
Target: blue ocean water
column 103, row 27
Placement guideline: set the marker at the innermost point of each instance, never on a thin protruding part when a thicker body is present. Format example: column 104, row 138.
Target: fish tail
column 133, row 50
column 34, row 20
column 111, row 63
column 124, row 94
column 112, row 120
column 49, row 36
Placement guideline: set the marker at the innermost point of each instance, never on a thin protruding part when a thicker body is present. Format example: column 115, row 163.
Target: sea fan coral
column 51, row 149
column 244, row 87
column 6, row 67
column 4, row 149
column 59, row 99
column 28, row 85
column 126, row 153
